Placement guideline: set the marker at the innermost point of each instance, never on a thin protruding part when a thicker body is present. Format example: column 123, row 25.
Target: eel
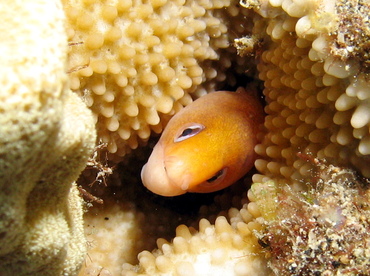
column 206, row 146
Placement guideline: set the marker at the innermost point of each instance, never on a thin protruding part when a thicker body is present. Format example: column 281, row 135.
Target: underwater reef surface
column 310, row 61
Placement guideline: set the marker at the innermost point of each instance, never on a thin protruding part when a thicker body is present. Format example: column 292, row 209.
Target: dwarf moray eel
column 206, row 146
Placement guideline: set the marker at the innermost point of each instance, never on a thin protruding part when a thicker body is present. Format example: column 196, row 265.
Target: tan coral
column 318, row 101
column 133, row 62
column 213, row 249
column 317, row 98
column 47, row 134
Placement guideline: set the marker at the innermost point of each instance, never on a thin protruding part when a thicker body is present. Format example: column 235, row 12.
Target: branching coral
column 47, row 134
column 135, row 61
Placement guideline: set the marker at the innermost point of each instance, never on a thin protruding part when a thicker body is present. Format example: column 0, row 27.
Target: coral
column 329, row 233
column 134, row 62
column 317, row 92
column 120, row 222
column 212, row 249
column 47, row 134
column 313, row 59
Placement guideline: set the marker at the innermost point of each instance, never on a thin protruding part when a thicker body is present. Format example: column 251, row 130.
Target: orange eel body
column 207, row 146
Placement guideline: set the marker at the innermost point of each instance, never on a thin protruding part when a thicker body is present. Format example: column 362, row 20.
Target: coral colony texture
column 312, row 57
column 134, row 62
column 46, row 137
column 314, row 69
column 329, row 233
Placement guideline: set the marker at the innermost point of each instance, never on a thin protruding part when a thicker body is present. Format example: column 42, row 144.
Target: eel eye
column 217, row 175
column 188, row 131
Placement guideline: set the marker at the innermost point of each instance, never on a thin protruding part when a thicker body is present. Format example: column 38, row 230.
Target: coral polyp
column 134, row 62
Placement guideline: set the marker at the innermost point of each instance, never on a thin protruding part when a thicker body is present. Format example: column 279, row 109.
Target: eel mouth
column 154, row 175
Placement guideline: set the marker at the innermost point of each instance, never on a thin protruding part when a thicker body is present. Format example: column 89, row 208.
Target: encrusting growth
column 329, row 231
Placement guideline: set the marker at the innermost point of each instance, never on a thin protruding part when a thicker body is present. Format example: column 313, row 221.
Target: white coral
column 218, row 249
